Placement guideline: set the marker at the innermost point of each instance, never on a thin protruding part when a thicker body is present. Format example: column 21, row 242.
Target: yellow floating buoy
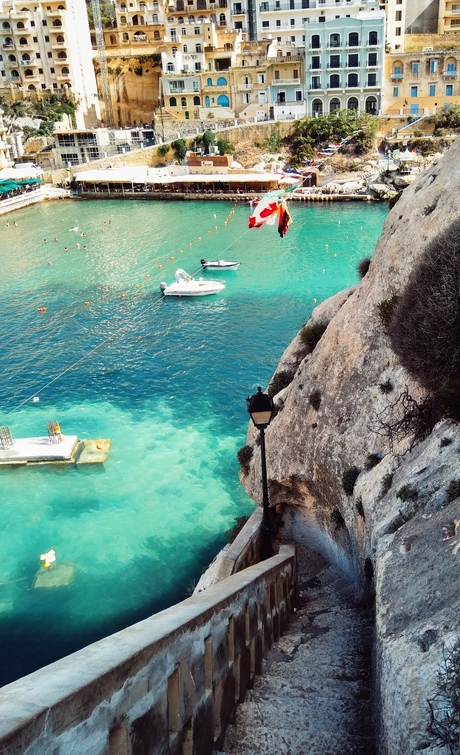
column 209, row 231
column 199, row 238
column 215, row 227
column 171, row 258
column 41, row 309
column 160, row 266
column 123, row 296
column 180, row 251
column 87, row 303
column 137, row 285
column 190, row 244
column 99, row 447
column 147, row 276
column 225, row 222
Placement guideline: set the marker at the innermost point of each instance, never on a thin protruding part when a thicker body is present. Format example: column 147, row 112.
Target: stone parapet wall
column 167, row 685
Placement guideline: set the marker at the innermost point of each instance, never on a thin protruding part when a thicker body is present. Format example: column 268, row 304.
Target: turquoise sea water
column 164, row 378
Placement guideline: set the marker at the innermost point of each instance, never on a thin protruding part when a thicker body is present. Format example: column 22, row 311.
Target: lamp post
column 260, row 407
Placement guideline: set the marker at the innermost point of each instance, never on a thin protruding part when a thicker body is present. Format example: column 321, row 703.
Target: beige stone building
column 5, row 162
column 46, row 48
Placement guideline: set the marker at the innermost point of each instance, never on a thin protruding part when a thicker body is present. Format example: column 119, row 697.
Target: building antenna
column 110, row 121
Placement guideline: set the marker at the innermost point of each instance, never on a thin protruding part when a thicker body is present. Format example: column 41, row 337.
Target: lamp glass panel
column 261, row 418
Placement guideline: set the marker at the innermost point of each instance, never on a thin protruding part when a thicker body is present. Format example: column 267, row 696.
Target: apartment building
column 250, row 81
column 45, row 46
column 5, row 162
column 448, row 16
column 344, row 63
column 421, row 83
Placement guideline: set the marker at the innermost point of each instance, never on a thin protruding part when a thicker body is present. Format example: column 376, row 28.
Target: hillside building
column 46, row 48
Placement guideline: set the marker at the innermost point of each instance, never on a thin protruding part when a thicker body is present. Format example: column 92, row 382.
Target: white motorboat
column 185, row 285
column 219, row 265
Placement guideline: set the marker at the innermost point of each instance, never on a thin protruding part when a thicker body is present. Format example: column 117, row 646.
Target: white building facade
column 344, row 63
column 46, row 48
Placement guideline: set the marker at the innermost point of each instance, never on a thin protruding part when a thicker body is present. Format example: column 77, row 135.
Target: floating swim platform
column 58, row 575
column 67, row 450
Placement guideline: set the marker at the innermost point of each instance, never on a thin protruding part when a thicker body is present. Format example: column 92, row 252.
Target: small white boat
column 185, row 285
column 219, row 265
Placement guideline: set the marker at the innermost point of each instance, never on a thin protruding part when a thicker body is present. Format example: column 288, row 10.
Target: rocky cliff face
column 396, row 532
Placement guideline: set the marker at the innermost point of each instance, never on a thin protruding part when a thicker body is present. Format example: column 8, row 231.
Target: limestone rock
column 386, row 535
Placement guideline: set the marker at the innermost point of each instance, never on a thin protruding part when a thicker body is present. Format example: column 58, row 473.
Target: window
column 395, row 91
column 170, row 67
column 155, row 18
column 125, row 37
column 372, row 59
column 295, row 74
column 47, row 39
column 415, row 67
column 334, row 81
column 197, row 30
column 50, row 54
column 398, row 15
column 315, row 82
column 334, row 105
column 353, row 39
column 196, row 101
column 65, row 70
column 183, row 101
column 432, row 90
column 353, row 60
column 261, row 78
column 433, row 66
column 373, row 38
column 315, row 42
column 449, row 90
column 281, row 97
column 198, row 67
column 334, row 40
column 298, row 96
column 245, row 97
column 334, row 61
column 51, row 70
column 352, row 79
column 123, row 20
column 315, row 62
column 198, row 48
column 414, row 91
column 398, row 31
column 292, row 21
column 278, row 22
column 222, row 20
column 44, row 22
column 184, row 48
column 352, row 103
column 371, row 79
column 35, row 39
column 156, row 35
column 277, row 75
column 451, row 67
column 221, row 81
column 265, row 24
column 293, row 40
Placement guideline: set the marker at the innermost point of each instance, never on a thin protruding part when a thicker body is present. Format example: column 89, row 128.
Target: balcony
column 35, row 79
column 244, row 87
column 450, row 74
column 239, row 10
column 12, row 63
column 25, row 46
column 29, row 63
column 59, row 46
column 54, row 13
column 395, row 76
column 284, row 82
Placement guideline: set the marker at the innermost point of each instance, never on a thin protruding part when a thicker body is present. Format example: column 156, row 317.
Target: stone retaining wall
column 165, row 686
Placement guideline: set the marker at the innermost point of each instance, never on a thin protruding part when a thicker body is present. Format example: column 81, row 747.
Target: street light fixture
column 260, row 407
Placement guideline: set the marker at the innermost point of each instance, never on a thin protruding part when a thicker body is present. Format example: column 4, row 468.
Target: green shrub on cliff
column 311, row 334
column 424, row 328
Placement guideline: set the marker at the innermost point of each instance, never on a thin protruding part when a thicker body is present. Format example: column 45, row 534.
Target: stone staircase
column 314, row 696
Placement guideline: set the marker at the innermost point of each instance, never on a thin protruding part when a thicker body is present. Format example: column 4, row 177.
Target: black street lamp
column 261, row 407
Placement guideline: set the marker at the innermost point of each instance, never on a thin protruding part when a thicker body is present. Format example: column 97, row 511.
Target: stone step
column 314, row 694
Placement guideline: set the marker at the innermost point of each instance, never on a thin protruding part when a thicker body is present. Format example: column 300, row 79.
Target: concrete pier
column 68, row 450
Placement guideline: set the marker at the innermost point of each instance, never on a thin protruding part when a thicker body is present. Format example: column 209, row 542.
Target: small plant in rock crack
column 444, row 706
column 386, row 387
column 349, row 478
column 315, row 399
column 387, row 481
column 407, row 493
column 453, row 490
column 338, row 519
column 372, row 461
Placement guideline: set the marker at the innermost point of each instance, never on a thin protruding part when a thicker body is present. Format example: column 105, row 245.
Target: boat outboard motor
column 203, row 263
column 162, row 287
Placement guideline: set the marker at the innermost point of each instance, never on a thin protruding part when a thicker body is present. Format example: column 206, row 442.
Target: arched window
column 62, row 55
column 191, row 19
column 65, row 70
column 334, row 105
column 352, row 103
column 123, row 20
column 197, row 48
column 174, row 51
column 61, row 7
column 156, row 35
column 228, row 47
column 59, row 39
column 123, row 7
column 6, row 25
column 170, row 20
column 12, row 58
column 57, row 22
column 170, row 67
column 371, row 105
column 113, row 39
column 353, row 39
column 317, row 107
column 183, row 101
column 196, row 101
column 22, row 41
column 180, row 20
column 209, row 83
column 315, row 42
column 206, row 101
column 223, row 100
column 352, row 79
column 14, row 74
column 334, row 81
column 31, row 86
column 221, row 81
column 28, row 72
column 213, row 18
column 202, row 20
column 25, row 56
column 184, row 48
column 334, row 40
column 20, row 25
column 125, row 36
column 222, row 20
column 373, row 38
column 93, row 40
column 172, row 102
